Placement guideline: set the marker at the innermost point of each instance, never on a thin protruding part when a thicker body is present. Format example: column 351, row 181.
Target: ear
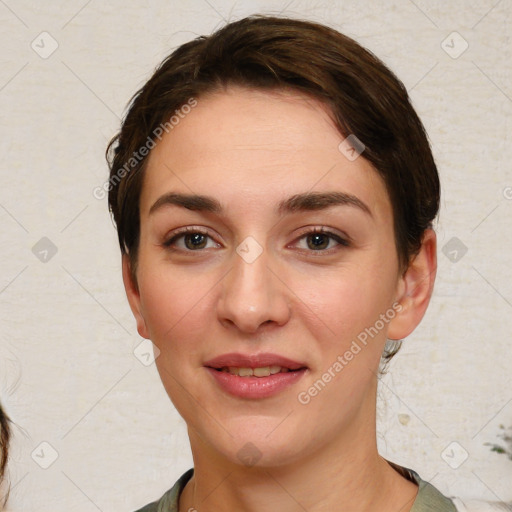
column 415, row 289
column 133, row 295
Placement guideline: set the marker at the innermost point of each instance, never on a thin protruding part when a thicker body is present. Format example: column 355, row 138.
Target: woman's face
column 284, row 260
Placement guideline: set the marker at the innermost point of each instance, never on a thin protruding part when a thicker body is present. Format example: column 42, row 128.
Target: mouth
column 254, row 376
column 263, row 371
column 259, row 365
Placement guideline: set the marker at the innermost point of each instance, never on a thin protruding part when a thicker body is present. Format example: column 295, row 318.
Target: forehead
column 252, row 145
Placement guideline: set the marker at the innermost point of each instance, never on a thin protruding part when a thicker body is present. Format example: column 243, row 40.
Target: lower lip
column 255, row 387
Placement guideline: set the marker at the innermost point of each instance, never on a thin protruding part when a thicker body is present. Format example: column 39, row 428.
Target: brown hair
column 364, row 97
column 5, row 434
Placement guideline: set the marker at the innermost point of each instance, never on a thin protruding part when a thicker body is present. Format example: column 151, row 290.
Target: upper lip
column 253, row 361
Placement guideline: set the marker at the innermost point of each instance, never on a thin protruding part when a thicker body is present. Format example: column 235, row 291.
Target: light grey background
column 69, row 377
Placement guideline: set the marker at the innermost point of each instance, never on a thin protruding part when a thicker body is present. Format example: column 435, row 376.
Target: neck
column 348, row 474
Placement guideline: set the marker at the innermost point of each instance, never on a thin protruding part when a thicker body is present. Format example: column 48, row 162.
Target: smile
column 254, row 376
column 264, row 371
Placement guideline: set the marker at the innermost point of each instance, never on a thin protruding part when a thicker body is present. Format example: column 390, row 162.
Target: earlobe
column 415, row 288
column 133, row 295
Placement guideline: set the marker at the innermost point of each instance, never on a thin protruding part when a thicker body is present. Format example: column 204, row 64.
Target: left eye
column 192, row 241
column 320, row 241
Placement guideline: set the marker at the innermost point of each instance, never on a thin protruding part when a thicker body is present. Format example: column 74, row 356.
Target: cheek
column 174, row 306
column 341, row 304
column 179, row 313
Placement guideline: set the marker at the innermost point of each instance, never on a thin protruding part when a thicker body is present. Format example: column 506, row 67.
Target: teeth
column 265, row 371
column 245, row 372
column 262, row 372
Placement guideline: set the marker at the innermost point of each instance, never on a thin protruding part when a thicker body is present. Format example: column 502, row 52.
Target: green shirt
column 429, row 499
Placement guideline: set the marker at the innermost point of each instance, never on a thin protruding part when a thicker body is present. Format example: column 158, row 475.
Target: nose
column 253, row 295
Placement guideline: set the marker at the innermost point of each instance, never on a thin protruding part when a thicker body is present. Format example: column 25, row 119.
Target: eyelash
column 343, row 242
column 182, row 232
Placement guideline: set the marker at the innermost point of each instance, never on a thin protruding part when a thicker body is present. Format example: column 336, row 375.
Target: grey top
column 429, row 499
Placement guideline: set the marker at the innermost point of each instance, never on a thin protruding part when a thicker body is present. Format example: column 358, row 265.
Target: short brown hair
column 364, row 97
column 5, row 435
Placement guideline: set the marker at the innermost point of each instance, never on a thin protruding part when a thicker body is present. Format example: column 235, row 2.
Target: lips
column 254, row 376
column 253, row 361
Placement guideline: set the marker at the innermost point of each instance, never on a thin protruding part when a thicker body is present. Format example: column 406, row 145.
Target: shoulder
column 169, row 501
column 481, row 506
column 428, row 499
column 151, row 507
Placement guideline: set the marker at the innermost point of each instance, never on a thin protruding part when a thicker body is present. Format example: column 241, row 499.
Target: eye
column 320, row 240
column 190, row 239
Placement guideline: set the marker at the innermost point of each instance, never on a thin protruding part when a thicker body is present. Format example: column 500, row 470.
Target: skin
column 251, row 150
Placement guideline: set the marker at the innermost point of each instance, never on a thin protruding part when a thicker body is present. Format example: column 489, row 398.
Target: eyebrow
column 309, row 201
column 321, row 200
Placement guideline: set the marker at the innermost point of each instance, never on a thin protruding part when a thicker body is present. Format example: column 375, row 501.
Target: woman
column 274, row 191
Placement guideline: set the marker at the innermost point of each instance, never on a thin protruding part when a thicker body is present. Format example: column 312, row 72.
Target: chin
column 259, row 450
